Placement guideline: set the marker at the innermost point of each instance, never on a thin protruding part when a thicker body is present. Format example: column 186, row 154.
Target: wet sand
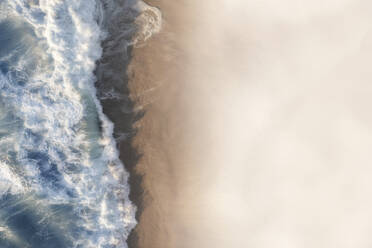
column 156, row 117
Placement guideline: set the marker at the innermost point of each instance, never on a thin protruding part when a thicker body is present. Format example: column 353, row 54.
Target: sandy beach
column 244, row 119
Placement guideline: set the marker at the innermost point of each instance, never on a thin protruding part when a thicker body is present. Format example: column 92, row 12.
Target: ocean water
column 61, row 182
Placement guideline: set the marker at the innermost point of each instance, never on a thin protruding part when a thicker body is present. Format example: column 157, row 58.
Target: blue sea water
column 61, row 182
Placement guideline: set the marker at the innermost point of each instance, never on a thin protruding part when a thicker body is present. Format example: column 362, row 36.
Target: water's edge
column 124, row 32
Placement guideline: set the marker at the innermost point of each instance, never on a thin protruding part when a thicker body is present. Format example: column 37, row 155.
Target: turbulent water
column 61, row 182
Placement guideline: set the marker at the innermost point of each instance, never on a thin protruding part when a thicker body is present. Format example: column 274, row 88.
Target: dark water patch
column 11, row 37
column 4, row 67
column 32, row 137
column 49, row 173
column 28, row 224
column 41, row 158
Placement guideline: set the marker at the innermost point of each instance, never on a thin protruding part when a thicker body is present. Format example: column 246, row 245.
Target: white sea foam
column 148, row 22
column 60, row 136
column 145, row 21
column 10, row 181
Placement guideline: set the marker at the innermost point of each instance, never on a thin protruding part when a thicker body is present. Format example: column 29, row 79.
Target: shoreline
column 114, row 96
column 148, row 125
column 163, row 138
column 123, row 100
column 172, row 153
